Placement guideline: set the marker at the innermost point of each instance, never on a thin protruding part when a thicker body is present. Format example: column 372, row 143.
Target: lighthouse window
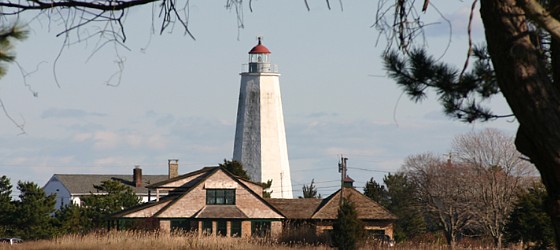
column 220, row 196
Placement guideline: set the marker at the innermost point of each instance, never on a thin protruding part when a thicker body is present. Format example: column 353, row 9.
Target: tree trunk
column 523, row 79
column 498, row 241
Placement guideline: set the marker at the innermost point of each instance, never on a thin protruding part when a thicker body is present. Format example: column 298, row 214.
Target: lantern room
column 259, row 59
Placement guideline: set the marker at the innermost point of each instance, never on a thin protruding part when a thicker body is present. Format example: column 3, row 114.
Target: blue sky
column 177, row 97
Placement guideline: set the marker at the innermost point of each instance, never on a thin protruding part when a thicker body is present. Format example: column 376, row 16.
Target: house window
column 235, row 230
column 376, row 232
column 183, row 224
column 220, row 196
column 207, row 227
column 260, row 228
column 221, row 228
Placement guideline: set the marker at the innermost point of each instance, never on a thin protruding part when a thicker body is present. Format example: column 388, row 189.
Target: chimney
column 137, row 176
column 173, row 168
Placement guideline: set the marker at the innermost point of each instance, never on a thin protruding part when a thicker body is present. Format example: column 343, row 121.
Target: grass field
column 161, row 241
column 153, row 240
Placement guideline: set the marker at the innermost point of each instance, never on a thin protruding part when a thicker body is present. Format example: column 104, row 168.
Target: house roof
column 296, row 208
column 203, row 173
column 121, row 214
column 84, row 183
column 208, row 211
column 327, row 209
column 366, row 208
column 310, row 208
column 221, row 211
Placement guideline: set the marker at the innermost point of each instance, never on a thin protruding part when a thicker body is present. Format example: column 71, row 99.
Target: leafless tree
column 498, row 173
column 102, row 21
column 444, row 189
column 523, row 53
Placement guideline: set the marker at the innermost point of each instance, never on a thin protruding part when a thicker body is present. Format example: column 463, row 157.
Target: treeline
column 33, row 215
column 483, row 189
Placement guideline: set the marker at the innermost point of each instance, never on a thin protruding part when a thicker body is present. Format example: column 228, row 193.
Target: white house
column 70, row 188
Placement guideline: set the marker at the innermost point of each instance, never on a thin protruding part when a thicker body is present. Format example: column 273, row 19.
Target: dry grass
column 137, row 240
column 152, row 240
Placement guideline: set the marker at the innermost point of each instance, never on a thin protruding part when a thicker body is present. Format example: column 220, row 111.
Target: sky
column 177, row 97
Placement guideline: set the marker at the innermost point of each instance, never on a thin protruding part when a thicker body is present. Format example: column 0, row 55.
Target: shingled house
column 215, row 202
column 320, row 214
column 70, row 188
column 211, row 201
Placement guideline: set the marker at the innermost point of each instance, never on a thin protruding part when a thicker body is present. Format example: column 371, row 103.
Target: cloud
column 165, row 120
column 68, row 113
column 156, row 141
column 85, row 127
column 106, row 140
column 113, row 161
column 322, row 115
column 125, row 140
column 458, row 21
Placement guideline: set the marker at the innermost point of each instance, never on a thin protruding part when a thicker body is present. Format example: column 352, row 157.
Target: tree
column 400, row 198
column 404, row 204
column 522, row 62
column 348, row 230
column 310, row 191
column 114, row 197
column 71, row 219
column 443, row 189
column 528, row 221
column 376, row 192
column 266, row 186
column 235, row 168
column 79, row 14
column 6, row 205
column 498, row 176
column 32, row 218
column 7, row 37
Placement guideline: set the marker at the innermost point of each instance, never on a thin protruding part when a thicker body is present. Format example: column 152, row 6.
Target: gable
column 366, row 208
column 191, row 202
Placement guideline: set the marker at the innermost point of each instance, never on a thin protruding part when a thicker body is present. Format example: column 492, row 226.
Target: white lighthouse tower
column 260, row 137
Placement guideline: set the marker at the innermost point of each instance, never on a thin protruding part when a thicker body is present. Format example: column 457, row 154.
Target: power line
column 371, row 170
column 314, row 182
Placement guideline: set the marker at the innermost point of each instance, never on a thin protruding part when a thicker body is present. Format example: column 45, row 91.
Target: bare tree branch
column 20, row 126
column 102, row 5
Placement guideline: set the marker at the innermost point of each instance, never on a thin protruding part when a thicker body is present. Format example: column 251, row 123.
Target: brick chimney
column 173, row 168
column 137, row 176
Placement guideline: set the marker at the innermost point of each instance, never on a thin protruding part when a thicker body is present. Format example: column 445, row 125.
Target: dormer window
column 220, row 196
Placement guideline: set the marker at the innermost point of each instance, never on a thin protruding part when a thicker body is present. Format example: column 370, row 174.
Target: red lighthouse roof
column 259, row 49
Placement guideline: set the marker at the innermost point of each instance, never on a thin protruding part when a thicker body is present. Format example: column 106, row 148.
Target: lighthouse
column 260, row 137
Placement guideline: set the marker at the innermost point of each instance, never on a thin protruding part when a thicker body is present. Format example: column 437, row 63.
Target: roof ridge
column 163, row 209
column 202, row 170
column 259, row 196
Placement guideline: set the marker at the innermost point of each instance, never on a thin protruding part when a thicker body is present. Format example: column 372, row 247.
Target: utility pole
column 342, row 171
column 449, row 156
